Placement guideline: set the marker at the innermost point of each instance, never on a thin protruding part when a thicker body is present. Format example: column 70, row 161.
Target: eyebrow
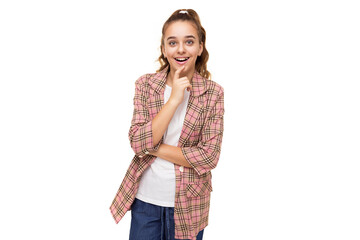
column 187, row 36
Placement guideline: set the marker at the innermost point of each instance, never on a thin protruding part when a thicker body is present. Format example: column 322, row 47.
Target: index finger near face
column 178, row 71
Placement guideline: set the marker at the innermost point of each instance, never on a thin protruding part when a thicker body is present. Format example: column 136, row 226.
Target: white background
column 289, row 167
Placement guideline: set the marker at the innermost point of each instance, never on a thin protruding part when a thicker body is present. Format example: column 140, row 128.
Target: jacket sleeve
column 140, row 132
column 205, row 156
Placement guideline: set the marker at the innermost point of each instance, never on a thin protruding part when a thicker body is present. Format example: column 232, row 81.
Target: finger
column 178, row 71
column 189, row 87
column 184, row 81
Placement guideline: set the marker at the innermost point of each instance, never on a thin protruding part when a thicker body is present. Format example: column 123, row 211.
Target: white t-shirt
column 157, row 184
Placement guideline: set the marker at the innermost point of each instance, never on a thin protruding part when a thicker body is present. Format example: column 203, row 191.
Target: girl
column 176, row 134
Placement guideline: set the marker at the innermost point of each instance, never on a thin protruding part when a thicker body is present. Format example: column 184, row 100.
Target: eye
column 172, row 43
column 189, row 42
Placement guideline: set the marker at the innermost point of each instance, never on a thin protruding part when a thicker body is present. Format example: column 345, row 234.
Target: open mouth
column 182, row 60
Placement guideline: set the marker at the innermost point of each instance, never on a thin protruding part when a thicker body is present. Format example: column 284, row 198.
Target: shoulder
column 214, row 96
column 214, row 87
column 214, row 92
column 143, row 79
column 146, row 81
column 150, row 77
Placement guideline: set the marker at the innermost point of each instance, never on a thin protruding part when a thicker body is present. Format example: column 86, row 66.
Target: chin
column 188, row 67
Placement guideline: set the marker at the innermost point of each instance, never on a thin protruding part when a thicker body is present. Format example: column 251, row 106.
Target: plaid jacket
column 200, row 141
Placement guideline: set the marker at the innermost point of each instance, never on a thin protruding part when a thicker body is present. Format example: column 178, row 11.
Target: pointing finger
column 178, row 71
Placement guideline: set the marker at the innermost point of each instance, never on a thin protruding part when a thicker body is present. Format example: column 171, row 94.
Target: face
column 182, row 46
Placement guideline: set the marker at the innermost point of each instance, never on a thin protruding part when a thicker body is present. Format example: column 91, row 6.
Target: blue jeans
column 152, row 222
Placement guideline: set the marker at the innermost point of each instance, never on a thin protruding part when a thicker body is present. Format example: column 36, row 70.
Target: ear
column 163, row 51
column 201, row 49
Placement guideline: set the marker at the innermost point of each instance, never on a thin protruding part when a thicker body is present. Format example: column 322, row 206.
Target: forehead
column 181, row 29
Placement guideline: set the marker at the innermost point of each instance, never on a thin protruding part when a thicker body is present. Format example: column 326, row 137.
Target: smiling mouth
column 181, row 59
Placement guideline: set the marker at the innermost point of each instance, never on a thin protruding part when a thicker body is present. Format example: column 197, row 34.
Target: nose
column 181, row 48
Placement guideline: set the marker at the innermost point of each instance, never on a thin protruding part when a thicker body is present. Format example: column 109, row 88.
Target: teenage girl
column 176, row 134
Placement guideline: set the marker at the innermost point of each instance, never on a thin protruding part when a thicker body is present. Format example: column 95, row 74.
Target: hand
column 178, row 86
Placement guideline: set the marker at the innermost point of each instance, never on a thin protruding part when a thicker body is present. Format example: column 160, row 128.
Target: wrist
column 154, row 153
column 173, row 102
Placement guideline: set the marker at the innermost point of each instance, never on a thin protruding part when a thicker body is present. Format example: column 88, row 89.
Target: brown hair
column 192, row 16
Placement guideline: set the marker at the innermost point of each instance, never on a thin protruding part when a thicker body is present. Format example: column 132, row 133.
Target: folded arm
column 172, row 154
column 205, row 155
column 145, row 134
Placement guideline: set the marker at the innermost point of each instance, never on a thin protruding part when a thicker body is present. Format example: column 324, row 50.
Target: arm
column 161, row 121
column 140, row 132
column 205, row 155
column 145, row 134
column 172, row 154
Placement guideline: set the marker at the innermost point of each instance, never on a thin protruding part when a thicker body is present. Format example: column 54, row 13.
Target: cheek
column 169, row 52
column 195, row 51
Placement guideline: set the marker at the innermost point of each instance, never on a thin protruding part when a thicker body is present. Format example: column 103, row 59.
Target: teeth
column 181, row 59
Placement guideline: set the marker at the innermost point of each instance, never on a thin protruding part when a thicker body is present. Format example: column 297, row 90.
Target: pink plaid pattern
column 200, row 141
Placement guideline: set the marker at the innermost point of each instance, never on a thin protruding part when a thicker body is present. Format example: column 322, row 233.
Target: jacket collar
column 157, row 82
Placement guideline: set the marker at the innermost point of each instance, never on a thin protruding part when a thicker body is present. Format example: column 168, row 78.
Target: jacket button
column 181, row 168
